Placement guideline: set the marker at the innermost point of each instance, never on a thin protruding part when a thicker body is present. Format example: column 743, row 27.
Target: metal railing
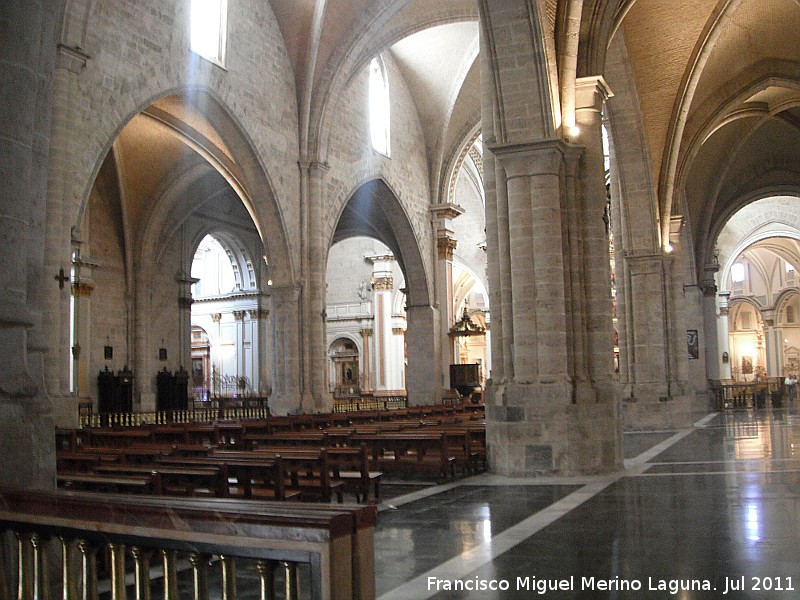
column 746, row 395
column 369, row 403
column 191, row 415
column 145, row 546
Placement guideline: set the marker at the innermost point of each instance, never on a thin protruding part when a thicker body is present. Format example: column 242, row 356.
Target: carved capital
column 82, row 289
column 446, row 246
column 382, row 284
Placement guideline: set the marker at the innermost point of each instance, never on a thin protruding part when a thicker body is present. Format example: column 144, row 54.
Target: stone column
column 712, row 354
column 771, row 348
column 82, row 288
column 590, row 96
column 70, row 62
column 27, row 56
column 185, row 282
column 442, row 217
column 579, row 436
column 366, row 363
column 241, row 369
column 316, row 397
column 262, row 351
column 422, row 385
column 382, row 288
column 286, row 372
column 723, row 335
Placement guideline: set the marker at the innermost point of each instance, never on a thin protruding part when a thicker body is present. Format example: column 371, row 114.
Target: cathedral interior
column 592, row 204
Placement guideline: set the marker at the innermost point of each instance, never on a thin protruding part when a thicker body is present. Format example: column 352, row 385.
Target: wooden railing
column 112, row 542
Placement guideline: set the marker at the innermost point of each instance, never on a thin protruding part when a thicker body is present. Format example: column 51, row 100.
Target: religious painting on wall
column 693, row 344
column 747, row 365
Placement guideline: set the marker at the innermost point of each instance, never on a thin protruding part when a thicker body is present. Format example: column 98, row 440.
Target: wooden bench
column 245, row 477
column 174, row 480
column 409, row 452
column 352, row 466
column 107, row 484
column 308, row 470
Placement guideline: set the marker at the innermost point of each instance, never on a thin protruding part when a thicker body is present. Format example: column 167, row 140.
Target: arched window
column 216, row 269
column 209, row 20
column 379, row 106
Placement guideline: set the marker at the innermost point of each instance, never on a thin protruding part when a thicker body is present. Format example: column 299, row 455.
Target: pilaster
column 442, row 216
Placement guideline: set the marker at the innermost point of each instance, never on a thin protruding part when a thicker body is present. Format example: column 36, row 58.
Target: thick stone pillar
column 70, row 62
column 27, row 55
column 262, row 351
column 316, row 397
column 591, row 94
column 286, row 372
column 442, row 217
column 543, row 421
column 423, row 376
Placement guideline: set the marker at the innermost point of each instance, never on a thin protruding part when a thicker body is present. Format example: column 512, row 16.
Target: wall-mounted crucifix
column 62, row 278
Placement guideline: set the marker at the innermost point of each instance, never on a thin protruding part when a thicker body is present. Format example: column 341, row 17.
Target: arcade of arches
column 234, row 206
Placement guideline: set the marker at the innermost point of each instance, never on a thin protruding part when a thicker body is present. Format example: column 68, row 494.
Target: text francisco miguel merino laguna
column 569, row 584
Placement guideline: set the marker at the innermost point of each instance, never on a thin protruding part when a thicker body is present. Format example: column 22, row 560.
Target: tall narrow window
column 209, row 20
column 737, row 273
column 379, row 106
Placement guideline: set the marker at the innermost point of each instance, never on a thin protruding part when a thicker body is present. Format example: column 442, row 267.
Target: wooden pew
column 308, row 470
column 108, row 484
column 245, row 477
column 352, row 466
column 174, row 480
column 409, row 452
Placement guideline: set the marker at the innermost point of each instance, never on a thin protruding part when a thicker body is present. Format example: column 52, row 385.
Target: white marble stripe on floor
column 464, row 564
column 694, row 473
column 645, row 457
column 426, row 492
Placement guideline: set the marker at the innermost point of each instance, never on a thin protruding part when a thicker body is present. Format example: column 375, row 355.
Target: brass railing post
column 266, row 573
column 24, row 566
column 199, row 576
column 69, row 591
column 291, row 582
column 117, row 571
column 141, row 566
column 88, row 570
column 169, row 560
column 228, row 572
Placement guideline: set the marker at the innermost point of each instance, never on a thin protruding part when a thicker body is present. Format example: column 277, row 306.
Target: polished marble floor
column 715, row 508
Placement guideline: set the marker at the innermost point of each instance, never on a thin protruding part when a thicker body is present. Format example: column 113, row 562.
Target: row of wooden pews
column 308, row 457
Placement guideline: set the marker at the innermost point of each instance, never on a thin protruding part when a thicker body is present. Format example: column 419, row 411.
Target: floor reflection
column 720, row 504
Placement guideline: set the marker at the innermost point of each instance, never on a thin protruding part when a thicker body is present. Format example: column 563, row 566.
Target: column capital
column 446, row 246
column 382, row 284
column 71, row 59
column 82, row 289
column 314, row 167
column 542, row 157
column 591, row 92
column 238, row 315
column 447, row 211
